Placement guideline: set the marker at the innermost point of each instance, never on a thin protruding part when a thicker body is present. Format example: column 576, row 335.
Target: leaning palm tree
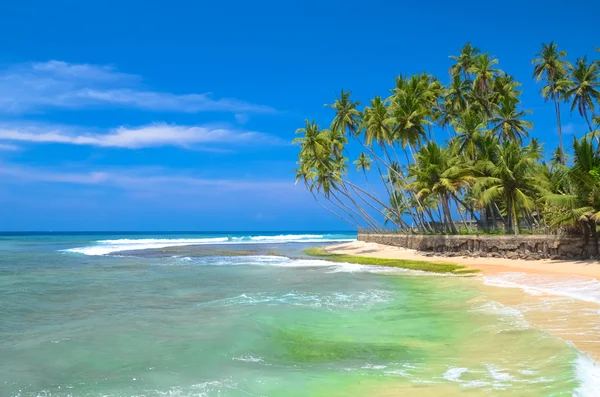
column 584, row 87
column 508, row 123
column 347, row 116
column 515, row 177
column 375, row 123
column 551, row 66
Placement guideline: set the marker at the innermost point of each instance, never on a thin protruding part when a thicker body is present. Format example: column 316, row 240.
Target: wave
column 104, row 247
column 505, row 314
column 359, row 300
column 587, row 372
column 575, row 287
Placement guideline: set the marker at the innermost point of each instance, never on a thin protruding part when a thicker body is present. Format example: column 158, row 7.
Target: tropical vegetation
column 459, row 157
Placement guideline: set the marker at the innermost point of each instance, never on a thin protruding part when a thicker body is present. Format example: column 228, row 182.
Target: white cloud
column 56, row 84
column 153, row 135
column 151, row 180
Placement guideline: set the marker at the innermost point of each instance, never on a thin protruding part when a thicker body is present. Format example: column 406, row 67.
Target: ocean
column 249, row 314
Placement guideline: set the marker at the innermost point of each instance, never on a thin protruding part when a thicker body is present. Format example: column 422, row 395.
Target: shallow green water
column 193, row 324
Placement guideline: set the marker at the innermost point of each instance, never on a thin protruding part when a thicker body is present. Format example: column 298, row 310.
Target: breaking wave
column 104, row 247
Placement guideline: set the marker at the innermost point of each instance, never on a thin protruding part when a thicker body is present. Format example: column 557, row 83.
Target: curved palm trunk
column 332, row 211
column 351, row 211
column 379, row 159
column 365, row 215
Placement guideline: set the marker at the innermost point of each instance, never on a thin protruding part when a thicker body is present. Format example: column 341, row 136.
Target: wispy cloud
column 153, row 135
column 156, row 180
column 7, row 147
column 56, row 84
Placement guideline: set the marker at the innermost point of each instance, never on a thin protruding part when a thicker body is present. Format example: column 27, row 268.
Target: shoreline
column 559, row 296
column 487, row 266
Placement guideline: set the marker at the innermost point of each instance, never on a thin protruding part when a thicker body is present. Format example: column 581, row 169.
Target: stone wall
column 526, row 247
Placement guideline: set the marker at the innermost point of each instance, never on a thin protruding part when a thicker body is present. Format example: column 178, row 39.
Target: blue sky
column 155, row 115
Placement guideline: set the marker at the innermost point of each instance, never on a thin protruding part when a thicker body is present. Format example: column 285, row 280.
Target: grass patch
column 400, row 263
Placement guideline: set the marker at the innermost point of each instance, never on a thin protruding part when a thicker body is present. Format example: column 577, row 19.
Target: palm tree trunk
column 509, row 214
column 594, row 234
column 585, row 116
column 448, row 213
column 366, row 220
column 560, row 139
column 332, row 211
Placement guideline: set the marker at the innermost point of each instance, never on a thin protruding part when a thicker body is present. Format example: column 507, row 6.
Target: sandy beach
column 485, row 265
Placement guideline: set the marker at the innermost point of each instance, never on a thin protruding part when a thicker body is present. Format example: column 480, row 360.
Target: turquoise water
column 249, row 314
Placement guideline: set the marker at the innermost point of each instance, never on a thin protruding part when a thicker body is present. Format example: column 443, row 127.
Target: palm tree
column 313, row 141
column 347, row 116
column 470, row 128
column 455, row 99
column 439, row 174
column 408, row 109
column 575, row 200
column 513, row 176
column 464, row 61
column 550, row 65
column 508, row 123
column 584, row 87
column 484, row 72
column 375, row 123
column 363, row 163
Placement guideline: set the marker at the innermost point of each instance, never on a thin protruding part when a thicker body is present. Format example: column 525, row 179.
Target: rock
column 512, row 255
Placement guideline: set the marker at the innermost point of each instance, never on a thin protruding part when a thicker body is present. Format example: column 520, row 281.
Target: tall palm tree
column 550, row 65
column 508, row 123
column 484, row 72
column 513, row 176
column 464, row 61
column 455, row 99
column 439, row 174
column 347, row 116
column 584, row 87
column 470, row 128
column 375, row 123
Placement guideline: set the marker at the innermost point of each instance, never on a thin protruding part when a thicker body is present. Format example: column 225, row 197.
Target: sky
column 155, row 115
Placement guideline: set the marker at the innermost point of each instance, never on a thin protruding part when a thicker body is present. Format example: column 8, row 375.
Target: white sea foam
column 249, row 359
column 580, row 288
column 454, row 374
column 505, row 314
column 103, row 247
column 355, row 300
column 587, row 372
